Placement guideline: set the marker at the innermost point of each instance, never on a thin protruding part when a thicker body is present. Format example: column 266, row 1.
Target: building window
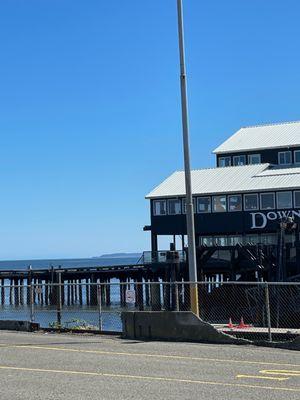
column 251, row 239
column 234, row 240
column 254, row 159
column 285, row 157
column 184, row 205
column 268, row 238
column 297, row 199
column 219, row 203
column 220, row 240
column 267, row 201
column 297, row 156
column 235, row 203
column 174, row 207
column 250, row 202
column 284, row 200
column 224, row 161
column 203, row 204
column 206, row 241
column 159, row 207
column 239, row 160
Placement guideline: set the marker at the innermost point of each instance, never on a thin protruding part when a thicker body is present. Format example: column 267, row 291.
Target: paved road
column 50, row 366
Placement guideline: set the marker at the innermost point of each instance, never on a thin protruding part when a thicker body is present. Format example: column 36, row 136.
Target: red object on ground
column 230, row 324
column 242, row 324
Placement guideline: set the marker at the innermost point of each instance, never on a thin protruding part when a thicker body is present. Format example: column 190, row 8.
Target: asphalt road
column 50, row 366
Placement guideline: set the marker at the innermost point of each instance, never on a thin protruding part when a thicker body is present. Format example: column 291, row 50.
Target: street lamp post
column 187, row 169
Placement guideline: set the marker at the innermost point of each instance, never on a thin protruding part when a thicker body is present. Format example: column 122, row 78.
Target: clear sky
column 90, row 108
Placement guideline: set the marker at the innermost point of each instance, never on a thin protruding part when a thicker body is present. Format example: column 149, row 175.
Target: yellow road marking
column 161, row 356
column 151, row 378
column 284, row 372
column 271, row 378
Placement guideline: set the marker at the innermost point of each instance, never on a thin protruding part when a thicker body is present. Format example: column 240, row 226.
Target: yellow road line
column 149, row 378
column 161, row 356
column 284, row 372
column 271, row 378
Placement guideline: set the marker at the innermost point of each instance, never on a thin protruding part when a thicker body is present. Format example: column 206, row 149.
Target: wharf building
column 247, row 208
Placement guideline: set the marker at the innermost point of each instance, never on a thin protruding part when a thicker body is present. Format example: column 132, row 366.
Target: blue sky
column 90, row 108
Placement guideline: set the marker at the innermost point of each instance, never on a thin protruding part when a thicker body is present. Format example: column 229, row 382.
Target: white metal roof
column 262, row 137
column 240, row 179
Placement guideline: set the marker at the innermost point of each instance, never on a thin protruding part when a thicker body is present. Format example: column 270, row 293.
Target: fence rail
column 268, row 310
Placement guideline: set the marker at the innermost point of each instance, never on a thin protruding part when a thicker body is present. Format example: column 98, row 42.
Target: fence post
column 59, row 305
column 99, row 290
column 268, row 311
column 31, row 290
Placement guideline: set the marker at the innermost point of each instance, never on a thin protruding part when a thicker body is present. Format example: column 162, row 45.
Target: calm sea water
column 66, row 263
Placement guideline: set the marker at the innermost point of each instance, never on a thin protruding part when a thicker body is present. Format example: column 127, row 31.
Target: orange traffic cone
column 242, row 324
column 230, row 324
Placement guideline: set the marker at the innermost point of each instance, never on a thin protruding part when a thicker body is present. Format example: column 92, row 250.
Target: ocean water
column 66, row 263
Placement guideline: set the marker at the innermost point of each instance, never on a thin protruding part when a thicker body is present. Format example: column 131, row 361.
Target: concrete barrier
column 173, row 325
column 23, row 326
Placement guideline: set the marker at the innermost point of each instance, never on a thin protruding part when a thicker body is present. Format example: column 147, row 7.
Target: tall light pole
column 187, row 169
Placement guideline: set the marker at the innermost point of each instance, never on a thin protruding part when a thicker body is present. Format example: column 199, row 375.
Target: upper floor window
column 297, row 198
column 224, row 161
column 239, row 160
column 285, row 157
column 174, row 206
column 203, row 204
column 184, row 205
column 267, row 201
column 297, row 156
column 159, row 207
column 254, row 159
column 284, row 200
column 219, row 204
column 235, row 202
column 250, row 202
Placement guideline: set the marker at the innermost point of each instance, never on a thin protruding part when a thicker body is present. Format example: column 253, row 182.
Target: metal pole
column 187, row 168
column 268, row 311
column 59, row 301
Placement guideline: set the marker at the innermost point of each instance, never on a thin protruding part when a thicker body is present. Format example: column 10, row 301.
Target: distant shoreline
column 120, row 255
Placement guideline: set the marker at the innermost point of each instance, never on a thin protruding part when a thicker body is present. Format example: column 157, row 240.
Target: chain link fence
column 258, row 310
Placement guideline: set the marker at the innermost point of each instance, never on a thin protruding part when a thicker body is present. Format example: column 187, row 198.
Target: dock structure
column 87, row 285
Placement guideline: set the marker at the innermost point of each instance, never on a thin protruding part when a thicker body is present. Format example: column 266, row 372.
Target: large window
column 219, row 203
column 174, row 206
column 251, row 202
column 235, row 202
column 297, row 198
column 284, row 200
column 254, row 159
column 297, row 156
column 206, row 241
column 234, row 240
column 184, row 205
column 203, row 204
column 285, row 157
column 239, row 160
column 267, row 201
column 159, row 207
column 224, row 161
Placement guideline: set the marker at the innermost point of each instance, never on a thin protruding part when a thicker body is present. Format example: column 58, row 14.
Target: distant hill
column 120, row 255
